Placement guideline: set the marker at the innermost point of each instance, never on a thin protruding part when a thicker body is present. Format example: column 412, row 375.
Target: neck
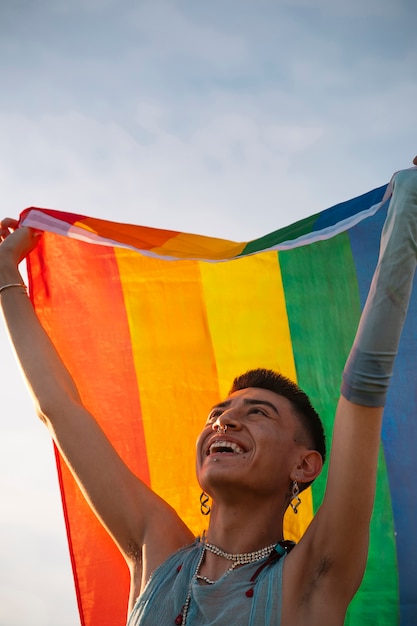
column 238, row 530
column 244, row 528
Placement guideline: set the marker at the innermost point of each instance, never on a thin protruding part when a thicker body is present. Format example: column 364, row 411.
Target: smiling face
column 251, row 441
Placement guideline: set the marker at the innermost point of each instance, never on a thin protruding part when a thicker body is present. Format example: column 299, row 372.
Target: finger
column 9, row 222
column 6, row 226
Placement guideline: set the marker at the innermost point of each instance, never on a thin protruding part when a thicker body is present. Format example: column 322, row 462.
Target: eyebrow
column 247, row 401
column 264, row 402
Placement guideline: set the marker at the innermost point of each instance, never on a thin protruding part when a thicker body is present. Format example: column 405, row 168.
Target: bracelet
column 14, row 285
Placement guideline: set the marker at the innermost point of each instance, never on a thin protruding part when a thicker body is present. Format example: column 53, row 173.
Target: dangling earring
column 294, row 496
column 204, row 506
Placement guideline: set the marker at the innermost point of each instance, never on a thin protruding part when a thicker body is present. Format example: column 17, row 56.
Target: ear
column 308, row 468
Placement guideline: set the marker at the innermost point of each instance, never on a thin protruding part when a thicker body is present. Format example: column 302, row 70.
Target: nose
column 227, row 420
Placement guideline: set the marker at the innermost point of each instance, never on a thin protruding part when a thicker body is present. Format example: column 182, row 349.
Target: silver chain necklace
column 237, row 559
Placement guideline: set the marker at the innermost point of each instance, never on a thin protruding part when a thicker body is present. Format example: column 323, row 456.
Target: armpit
column 319, row 573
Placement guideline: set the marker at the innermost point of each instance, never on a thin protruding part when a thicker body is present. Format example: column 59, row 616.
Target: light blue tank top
column 226, row 603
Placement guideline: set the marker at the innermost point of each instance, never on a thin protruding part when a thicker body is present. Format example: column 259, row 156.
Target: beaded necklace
column 273, row 552
column 237, row 559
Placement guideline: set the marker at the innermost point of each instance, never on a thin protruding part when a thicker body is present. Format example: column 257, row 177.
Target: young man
column 257, row 450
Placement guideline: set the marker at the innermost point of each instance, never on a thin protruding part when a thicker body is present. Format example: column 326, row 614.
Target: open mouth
column 224, row 447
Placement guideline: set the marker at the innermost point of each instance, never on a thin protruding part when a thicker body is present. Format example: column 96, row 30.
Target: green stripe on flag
column 323, row 310
column 303, row 227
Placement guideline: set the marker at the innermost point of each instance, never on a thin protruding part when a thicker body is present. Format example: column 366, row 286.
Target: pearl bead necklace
column 242, row 558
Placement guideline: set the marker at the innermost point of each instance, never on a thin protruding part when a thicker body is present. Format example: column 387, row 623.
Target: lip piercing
column 221, row 429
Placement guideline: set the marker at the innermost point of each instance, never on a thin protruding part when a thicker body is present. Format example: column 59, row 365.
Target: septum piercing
column 220, row 429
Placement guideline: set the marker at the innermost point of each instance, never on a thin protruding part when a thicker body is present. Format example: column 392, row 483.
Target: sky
column 231, row 118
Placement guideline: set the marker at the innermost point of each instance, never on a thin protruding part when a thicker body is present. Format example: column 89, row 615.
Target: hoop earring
column 204, row 506
column 295, row 496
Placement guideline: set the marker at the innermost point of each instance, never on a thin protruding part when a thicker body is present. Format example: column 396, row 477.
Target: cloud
column 238, row 154
column 36, row 583
column 169, row 32
column 362, row 8
column 37, row 558
column 201, row 181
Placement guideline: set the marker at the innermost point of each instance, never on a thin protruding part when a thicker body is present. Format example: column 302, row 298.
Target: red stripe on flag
column 66, row 304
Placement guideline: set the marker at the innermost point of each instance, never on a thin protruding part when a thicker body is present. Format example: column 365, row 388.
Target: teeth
column 226, row 444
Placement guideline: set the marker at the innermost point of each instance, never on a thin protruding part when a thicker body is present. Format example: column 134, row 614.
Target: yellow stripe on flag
column 199, row 247
column 248, row 323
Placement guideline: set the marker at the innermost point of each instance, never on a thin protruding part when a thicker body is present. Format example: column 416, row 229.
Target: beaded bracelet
column 22, row 285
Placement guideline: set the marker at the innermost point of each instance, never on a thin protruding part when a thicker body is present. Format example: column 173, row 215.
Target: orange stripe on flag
column 141, row 237
column 175, row 368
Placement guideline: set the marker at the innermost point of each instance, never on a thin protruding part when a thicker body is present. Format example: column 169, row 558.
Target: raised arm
column 339, row 535
column 131, row 512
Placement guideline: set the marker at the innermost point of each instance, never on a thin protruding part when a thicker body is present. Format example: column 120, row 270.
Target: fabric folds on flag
column 155, row 324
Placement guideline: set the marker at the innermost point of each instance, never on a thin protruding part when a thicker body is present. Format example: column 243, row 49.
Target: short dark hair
column 283, row 386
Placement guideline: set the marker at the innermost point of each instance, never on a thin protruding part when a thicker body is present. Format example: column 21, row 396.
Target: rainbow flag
column 154, row 325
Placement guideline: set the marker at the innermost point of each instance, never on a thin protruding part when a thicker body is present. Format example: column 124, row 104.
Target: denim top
column 225, row 603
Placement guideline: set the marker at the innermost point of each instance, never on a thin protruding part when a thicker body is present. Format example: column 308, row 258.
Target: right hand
column 17, row 242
